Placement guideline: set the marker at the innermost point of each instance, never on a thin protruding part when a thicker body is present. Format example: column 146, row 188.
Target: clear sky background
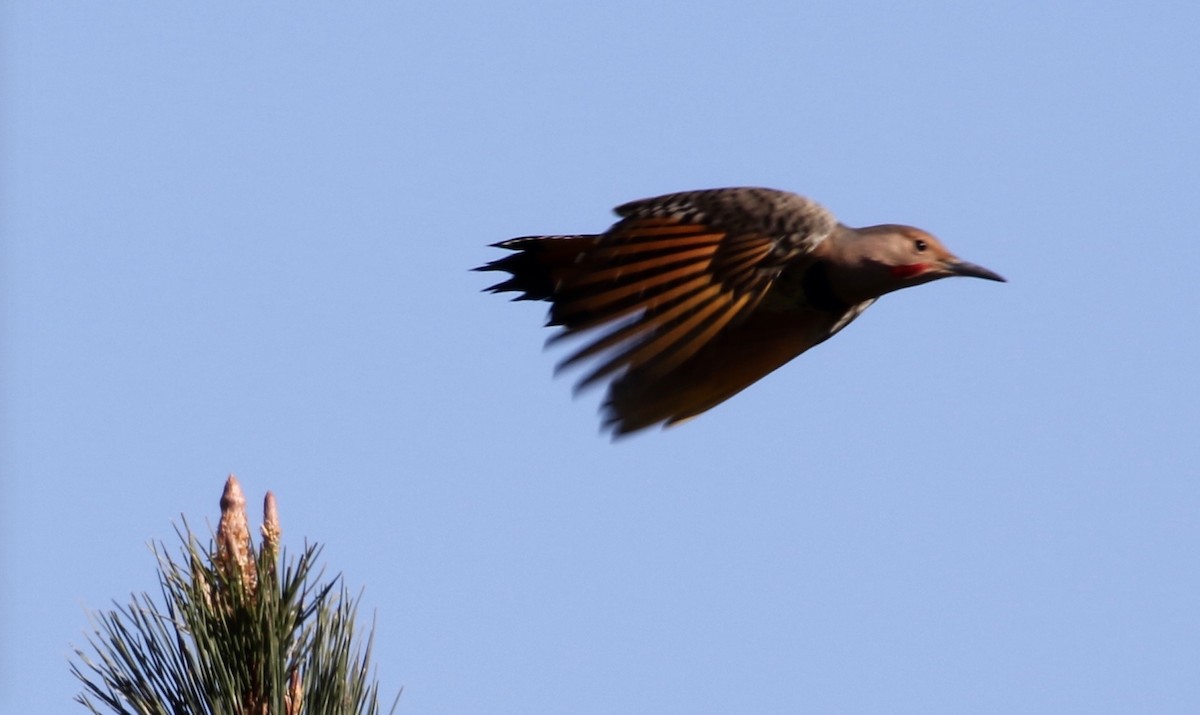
column 237, row 239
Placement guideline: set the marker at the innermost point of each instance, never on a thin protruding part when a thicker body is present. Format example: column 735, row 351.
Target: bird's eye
column 920, row 245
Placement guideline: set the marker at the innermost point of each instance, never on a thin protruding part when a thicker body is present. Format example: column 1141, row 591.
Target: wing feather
column 699, row 306
column 668, row 287
column 652, row 309
column 644, row 328
column 626, row 271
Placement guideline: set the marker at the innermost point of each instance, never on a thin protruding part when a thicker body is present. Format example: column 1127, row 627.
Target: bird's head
column 891, row 257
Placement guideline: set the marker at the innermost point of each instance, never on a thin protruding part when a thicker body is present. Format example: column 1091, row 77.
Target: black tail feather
column 529, row 277
column 535, row 264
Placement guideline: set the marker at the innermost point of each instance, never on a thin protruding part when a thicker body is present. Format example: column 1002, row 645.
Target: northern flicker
column 692, row 297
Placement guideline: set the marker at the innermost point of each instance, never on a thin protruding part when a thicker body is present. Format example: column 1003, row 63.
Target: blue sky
column 236, row 239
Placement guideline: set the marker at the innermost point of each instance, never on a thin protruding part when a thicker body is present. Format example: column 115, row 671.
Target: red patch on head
column 910, row 270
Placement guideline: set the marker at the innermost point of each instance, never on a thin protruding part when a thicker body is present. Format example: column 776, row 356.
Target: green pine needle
column 224, row 645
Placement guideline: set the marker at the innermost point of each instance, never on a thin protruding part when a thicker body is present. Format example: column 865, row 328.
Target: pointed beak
column 962, row 268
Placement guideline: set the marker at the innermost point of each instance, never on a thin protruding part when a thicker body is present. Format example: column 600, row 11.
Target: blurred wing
column 677, row 272
column 736, row 359
column 676, row 284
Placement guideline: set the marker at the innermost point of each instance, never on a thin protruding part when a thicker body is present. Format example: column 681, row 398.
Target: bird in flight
column 691, row 297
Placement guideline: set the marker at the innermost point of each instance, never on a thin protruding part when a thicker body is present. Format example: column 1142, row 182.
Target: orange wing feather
column 683, row 282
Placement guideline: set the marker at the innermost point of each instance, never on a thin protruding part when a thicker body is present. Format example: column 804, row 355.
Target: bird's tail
column 538, row 264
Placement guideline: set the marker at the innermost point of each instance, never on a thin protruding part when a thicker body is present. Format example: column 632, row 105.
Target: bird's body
column 694, row 296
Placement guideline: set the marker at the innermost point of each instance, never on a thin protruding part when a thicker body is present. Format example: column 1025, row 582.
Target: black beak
column 962, row 268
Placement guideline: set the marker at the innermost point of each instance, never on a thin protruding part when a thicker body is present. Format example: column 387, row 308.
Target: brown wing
column 736, row 359
column 674, row 275
column 676, row 285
